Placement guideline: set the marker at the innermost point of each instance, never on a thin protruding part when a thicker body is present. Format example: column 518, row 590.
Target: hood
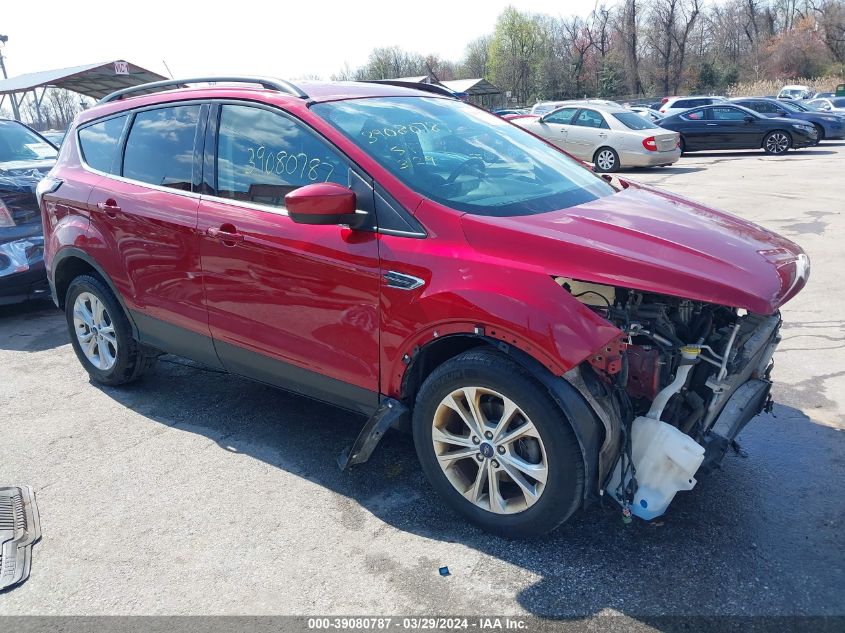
column 18, row 180
column 650, row 240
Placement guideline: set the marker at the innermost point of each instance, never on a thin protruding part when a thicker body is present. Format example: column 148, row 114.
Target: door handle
column 109, row 207
column 602, row 135
column 225, row 234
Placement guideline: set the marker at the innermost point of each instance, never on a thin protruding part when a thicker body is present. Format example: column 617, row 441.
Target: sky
column 281, row 38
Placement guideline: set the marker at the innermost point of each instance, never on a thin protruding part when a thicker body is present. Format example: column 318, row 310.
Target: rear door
column 588, row 132
column 146, row 215
column 694, row 128
column 289, row 304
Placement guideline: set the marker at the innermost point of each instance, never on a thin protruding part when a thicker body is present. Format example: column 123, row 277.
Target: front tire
column 777, row 142
column 606, row 160
column 819, row 133
column 101, row 335
column 496, row 447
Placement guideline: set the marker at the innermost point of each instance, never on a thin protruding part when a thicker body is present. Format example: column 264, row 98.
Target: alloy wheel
column 95, row 331
column 777, row 143
column 489, row 450
column 606, row 160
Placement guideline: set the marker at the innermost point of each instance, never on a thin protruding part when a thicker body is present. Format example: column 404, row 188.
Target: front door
column 588, row 132
column 289, row 304
column 555, row 126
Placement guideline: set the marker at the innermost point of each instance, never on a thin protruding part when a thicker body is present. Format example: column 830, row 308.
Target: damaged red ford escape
column 549, row 336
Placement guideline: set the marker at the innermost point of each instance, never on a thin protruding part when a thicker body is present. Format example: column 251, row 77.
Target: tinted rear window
column 160, row 147
column 633, row 120
column 99, row 142
column 839, row 103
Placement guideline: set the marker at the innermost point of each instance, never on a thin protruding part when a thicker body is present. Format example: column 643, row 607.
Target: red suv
column 549, row 335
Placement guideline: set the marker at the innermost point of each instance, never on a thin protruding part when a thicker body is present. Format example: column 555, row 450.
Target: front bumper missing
column 20, row 527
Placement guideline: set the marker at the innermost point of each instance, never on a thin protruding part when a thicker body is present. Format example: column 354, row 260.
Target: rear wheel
column 606, row 160
column 496, row 447
column 777, row 142
column 101, row 335
column 819, row 133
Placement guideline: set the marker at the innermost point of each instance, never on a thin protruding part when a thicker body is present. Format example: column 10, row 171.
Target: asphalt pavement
column 197, row 492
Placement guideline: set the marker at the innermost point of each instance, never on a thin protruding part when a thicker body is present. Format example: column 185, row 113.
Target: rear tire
column 777, row 142
column 101, row 334
column 683, row 146
column 517, row 486
column 606, row 160
column 819, row 133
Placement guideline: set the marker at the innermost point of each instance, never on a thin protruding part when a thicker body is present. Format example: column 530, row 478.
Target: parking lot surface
column 197, row 492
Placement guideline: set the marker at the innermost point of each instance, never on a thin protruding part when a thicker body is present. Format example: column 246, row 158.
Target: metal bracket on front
column 371, row 433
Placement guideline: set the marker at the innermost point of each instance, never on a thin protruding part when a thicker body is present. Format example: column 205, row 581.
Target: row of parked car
column 611, row 136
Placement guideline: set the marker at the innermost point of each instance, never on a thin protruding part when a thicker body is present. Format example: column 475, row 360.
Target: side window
column 684, row 103
column 262, row 155
column 726, row 113
column 761, row 106
column 561, row 117
column 590, row 118
column 99, row 143
column 694, row 115
column 160, row 147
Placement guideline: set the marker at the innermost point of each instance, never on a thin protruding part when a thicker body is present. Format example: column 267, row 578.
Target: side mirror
column 781, row 112
column 322, row 203
column 749, row 118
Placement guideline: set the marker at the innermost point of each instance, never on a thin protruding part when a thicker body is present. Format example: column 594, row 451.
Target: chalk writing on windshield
column 391, row 131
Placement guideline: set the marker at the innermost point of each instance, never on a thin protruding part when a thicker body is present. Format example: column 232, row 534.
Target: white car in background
column 651, row 115
column 610, row 137
column 795, row 92
column 835, row 105
column 676, row 105
column 544, row 107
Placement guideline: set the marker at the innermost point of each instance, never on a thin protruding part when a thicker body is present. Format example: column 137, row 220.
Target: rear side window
column 99, row 143
column 685, row 103
column 262, row 156
column 160, row 147
column 590, row 118
column 694, row 115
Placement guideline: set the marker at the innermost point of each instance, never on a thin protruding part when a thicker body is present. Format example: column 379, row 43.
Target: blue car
column 827, row 124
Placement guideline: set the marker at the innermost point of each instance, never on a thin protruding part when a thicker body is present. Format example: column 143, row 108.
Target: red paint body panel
column 313, row 296
column 303, row 294
column 648, row 240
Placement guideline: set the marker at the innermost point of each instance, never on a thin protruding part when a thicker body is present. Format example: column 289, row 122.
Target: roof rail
column 270, row 84
column 433, row 88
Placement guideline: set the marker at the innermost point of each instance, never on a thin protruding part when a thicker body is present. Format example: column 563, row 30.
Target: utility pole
column 15, row 111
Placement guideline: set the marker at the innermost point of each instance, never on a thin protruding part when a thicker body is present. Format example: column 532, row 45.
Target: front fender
column 533, row 314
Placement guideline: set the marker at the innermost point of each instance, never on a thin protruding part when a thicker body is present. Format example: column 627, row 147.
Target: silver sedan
column 610, row 137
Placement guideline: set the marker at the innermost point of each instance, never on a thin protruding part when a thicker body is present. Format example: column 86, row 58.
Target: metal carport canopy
column 91, row 80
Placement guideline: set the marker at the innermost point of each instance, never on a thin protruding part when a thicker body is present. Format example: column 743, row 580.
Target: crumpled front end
column 679, row 385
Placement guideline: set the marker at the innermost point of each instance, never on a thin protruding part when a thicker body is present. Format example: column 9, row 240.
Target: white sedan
column 609, row 137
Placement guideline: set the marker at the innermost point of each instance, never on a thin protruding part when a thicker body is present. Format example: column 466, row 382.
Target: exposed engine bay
column 683, row 379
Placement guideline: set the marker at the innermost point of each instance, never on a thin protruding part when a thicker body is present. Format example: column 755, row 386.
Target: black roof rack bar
column 271, row 84
column 433, row 88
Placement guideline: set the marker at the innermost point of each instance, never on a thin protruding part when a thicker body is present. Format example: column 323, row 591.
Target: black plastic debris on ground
column 20, row 527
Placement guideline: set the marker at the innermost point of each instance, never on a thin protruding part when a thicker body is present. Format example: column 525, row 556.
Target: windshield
column 463, row 157
column 794, row 92
column 17, row 142
column 634, row 121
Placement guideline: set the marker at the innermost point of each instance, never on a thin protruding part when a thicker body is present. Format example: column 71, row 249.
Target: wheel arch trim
column 69, row 252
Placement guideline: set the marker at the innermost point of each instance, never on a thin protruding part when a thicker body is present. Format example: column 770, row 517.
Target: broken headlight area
column 684, row 379
column 20, row 255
